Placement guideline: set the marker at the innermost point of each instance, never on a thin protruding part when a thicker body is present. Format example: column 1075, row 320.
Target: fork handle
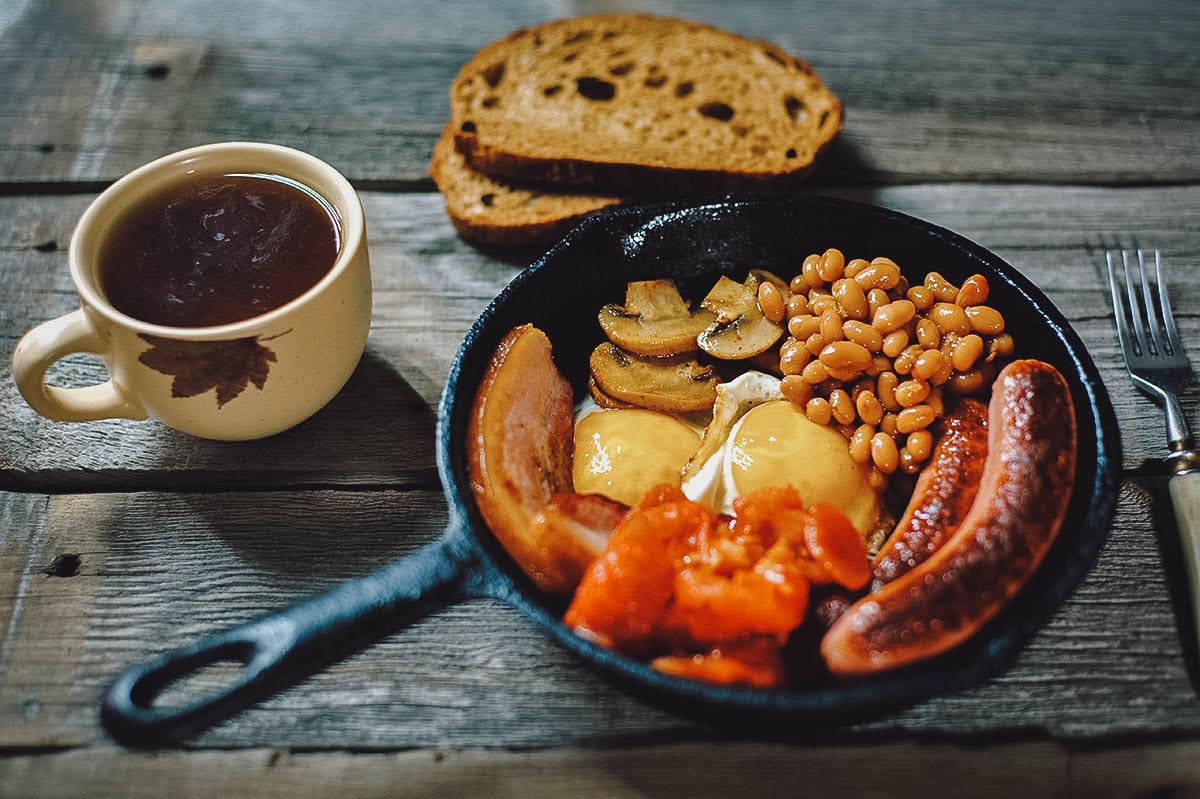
column 1184, row 487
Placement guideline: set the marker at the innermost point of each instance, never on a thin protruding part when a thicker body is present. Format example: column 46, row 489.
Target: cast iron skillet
column 561, row 293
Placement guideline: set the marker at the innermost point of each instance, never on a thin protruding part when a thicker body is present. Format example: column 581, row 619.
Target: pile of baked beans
column 875, row 356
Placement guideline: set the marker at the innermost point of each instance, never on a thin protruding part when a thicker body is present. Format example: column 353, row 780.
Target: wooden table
column 1046, row 132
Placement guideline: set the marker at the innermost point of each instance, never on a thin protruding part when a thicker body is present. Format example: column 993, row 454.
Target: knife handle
column 1185, row 498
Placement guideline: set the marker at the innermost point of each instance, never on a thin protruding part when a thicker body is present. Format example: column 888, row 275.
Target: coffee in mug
column 227, row 289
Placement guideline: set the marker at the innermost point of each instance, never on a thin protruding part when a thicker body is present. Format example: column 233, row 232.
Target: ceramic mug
column 242, row 380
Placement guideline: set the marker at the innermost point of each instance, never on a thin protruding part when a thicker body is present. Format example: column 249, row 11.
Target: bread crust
column 745, row 114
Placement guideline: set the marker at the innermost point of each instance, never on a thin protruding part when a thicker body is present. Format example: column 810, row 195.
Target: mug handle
column 52, row 341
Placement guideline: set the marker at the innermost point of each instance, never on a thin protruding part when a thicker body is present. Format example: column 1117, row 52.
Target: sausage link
column 1023, row 497
column 943, row 493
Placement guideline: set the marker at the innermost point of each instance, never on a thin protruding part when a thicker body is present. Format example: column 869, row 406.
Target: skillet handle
column 282, row 648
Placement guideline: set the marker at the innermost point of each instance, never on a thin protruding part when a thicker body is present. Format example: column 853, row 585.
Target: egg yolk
column 624, row 453
column 776, row 444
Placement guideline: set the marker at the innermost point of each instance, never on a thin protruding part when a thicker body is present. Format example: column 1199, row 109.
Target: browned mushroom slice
column 654, row 321
column 675, row 383
column 603, row 400
column 740, row 330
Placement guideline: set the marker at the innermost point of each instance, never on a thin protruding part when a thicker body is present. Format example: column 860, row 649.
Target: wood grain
column 429, row 287
column 1084, row 92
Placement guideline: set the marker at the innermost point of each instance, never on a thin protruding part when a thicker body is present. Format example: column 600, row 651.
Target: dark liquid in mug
column 217, row 249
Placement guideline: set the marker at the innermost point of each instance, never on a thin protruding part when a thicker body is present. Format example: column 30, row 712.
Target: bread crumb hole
column 595, row 88
column 569, row 57
column 550, row 91
column 719, row 111
column 578, row 37
column 467, row 127
column 621, row 69
column 494, row 74
column 488, row 199
column 490, row 102
column 684, row 89
column 607, row 35
column 795, row 108
column 774, row 56
column 791, row 153
column 654, row 81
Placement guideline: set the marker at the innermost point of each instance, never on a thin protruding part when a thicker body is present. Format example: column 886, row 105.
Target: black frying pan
column 561, row 293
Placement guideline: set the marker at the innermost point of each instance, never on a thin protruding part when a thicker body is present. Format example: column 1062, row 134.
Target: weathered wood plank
column 158, row 570
column 703, row 771
column 429, row 287
column 1084, row 92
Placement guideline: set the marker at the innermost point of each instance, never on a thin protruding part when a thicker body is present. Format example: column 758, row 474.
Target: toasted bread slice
column 499, row 213
column 628, row 103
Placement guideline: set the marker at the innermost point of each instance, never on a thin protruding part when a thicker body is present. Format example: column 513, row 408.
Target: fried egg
column 754, row 439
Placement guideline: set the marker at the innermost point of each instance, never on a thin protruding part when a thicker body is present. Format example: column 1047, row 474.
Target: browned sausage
column 943, row 494
column 1022, row 499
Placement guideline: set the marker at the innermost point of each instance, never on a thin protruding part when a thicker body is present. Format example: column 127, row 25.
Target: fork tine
column 1135, row 311
column 1153, row 330
column 1120, row 307
column 1164, row 297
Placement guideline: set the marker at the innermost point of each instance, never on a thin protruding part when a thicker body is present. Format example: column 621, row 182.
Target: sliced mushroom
column 603, row 400
column 740, row 330
column 655, row 320
column 675, row 383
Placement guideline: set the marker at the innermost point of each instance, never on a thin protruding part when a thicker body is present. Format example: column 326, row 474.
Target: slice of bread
column 625, row 103
column 499, row 213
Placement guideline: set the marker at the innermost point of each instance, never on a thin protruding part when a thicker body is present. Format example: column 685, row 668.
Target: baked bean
column 888, row 423
column 795, row 389
column 934, row 400
column 815, row 372
column 885, row 390
column 831, row 326
column 860, row 443
column 917, row 417
column 801, row 326
column 845, row 355
column 841, row 406
column 974, row 291
column 928, row 335
column 908, row 464
column 854, row 266
column 831, row 266
column 797, row 304
column 907, row 359
column 879, row 274
column 884, row 453
column 901, row 289
column 798, row 284
column 879, row 364
column 814, row 344
column 869, row 409
column 820, row 303
column 943, row 373
column 1001, row 346
column 985, row 319
column 847, row 375
column 771, row 301
column 894, row 343
column 920, row 297
column 862, row 333
column 967, row 351
column 793, row 357
column 893, row 316
column 811, row 272
column 966, row 382
column 851, row 298
column 876, row 299
column 927, row 364
column 950, row 318
column 943, row 290
column 920, row 444
column 911, row 392
column 817, row 409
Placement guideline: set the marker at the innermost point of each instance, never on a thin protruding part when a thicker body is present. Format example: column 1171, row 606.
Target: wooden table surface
column 1046, row 132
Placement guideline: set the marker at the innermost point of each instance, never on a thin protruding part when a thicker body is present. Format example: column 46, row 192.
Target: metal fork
column 1158, row 365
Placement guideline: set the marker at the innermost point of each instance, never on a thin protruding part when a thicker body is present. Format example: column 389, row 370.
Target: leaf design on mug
column 199, row 366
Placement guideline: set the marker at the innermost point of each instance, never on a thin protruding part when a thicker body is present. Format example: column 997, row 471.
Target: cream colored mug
column 242, row 380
